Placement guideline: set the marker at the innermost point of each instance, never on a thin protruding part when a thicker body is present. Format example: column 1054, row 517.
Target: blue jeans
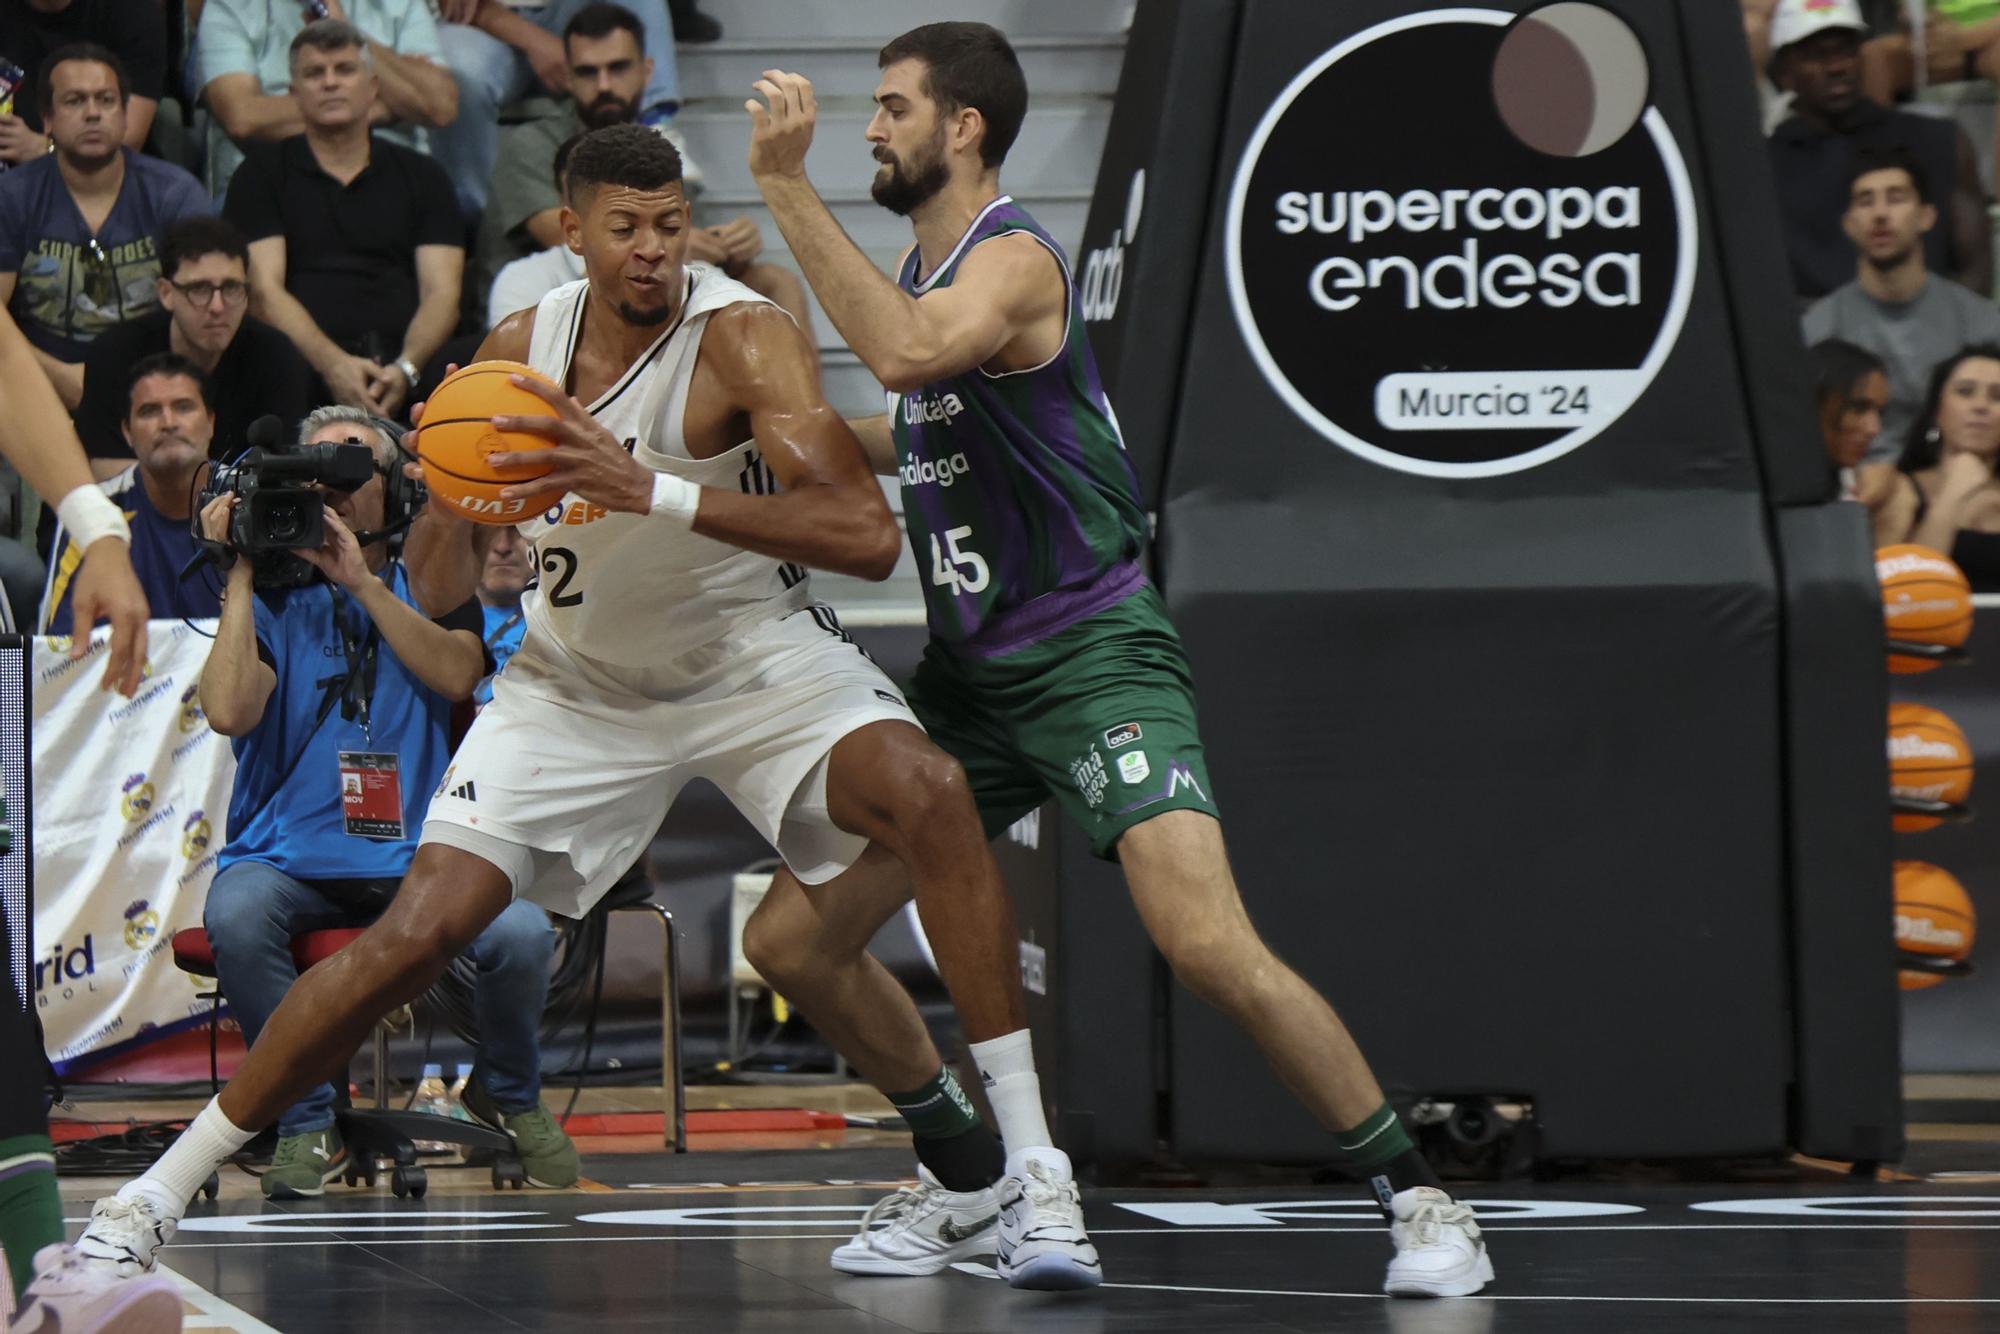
column 253, row 912
column 492, row 74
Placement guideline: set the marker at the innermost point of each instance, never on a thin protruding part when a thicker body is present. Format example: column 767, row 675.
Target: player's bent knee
column 779, row 956
column 1219, row 967
column 931, row 794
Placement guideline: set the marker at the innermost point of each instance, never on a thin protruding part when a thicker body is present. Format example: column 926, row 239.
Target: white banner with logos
column 129, row 802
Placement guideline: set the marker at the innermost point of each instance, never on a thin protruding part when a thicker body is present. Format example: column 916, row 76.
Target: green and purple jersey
column 1021, row 502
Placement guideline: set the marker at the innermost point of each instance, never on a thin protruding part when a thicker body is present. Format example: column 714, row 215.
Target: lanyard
column 358, row 645
column 500, row 630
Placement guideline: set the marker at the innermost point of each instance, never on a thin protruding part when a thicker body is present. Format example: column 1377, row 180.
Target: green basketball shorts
column 1101, row 716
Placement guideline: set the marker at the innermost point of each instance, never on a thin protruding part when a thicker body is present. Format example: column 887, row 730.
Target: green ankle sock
column 1385, row 1155
column 1377, row 1140
column 30, row 1209
column 939, row 1109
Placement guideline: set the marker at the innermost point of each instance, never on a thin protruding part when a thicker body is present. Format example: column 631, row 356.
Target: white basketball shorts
column 564, row 778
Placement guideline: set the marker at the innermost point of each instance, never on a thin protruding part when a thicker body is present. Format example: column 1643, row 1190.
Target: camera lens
column 285, row 523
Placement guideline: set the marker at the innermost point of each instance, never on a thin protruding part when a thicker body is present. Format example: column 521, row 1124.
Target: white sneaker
column 123, row 1235
column 1042, row 1241
column 1438, row 1249
column 69, row 1296
column 922, row 1229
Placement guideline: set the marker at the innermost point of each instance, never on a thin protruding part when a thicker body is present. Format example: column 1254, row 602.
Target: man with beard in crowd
column 608, row 75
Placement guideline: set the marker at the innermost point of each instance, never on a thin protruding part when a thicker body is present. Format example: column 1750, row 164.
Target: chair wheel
column 408, row 1181
column 509, row 1172
column 211, row 1187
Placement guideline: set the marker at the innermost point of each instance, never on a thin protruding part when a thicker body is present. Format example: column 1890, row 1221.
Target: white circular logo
column 1471, row 272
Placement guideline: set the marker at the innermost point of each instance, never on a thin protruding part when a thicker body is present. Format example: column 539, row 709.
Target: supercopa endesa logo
column 1460, row 243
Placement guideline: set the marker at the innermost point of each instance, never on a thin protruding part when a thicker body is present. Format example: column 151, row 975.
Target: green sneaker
column 547, row 1156
column 303, row 1164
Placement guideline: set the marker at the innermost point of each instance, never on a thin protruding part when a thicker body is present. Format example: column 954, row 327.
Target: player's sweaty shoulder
column 753, row 350
column 510, row 339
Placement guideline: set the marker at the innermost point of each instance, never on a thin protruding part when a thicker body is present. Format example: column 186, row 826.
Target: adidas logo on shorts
column 466, row 792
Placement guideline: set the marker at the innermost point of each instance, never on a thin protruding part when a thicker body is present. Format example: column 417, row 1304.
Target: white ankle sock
column 1007, row 1065
column 204, row 1146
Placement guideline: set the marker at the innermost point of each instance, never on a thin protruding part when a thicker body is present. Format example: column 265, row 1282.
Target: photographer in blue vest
column 336, row 689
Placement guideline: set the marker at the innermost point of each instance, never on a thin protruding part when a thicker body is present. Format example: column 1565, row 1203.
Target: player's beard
column 643, row 317
column 903, row 193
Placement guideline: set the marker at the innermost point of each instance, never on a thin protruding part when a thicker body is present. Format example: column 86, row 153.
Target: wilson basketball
column 1929, row 760
column 1925, row 600
column 1934, row 916
column 457, row 437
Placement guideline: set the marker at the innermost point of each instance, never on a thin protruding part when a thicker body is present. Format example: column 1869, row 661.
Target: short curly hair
column 634, row 156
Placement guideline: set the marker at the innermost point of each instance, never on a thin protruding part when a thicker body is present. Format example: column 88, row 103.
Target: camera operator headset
column 281, row 569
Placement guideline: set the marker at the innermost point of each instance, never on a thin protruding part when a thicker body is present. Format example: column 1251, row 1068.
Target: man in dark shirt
column 253, row 369
column 32, row 29
column 170, row 420
column 1817, row 59
column 356, row 251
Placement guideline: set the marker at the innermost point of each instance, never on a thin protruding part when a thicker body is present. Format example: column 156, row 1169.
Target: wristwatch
column 409, row 370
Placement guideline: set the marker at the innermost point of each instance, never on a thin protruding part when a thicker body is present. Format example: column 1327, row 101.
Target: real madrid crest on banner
column 1477, row 312
column 136, row 797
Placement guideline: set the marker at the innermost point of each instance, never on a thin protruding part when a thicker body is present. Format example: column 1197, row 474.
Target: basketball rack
column 1952, row 654
column 1955, row 811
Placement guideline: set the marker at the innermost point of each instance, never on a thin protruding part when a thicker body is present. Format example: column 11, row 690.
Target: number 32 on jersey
column 956, row 567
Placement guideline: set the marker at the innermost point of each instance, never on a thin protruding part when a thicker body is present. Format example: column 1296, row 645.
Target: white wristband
column 675, row 498
column 87, row 514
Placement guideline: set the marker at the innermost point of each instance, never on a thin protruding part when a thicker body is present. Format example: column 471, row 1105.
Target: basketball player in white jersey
column 672, row 637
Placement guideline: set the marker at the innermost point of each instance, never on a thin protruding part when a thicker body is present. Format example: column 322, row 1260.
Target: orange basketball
column 1929, row 759
column 1925, row 600
column 457, row 436
column 1934, row 916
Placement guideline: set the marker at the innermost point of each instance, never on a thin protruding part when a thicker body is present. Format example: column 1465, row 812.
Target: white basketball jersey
column 629, row 589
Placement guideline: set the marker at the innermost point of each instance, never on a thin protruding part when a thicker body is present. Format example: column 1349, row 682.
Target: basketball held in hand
column 457, row 438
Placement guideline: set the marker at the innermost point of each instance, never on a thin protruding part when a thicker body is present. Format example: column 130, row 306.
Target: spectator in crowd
column 332, row 780
column 355, row 243
column 31, row 30
column 252, row 369
column 501, row 584
column 500, row 49
column 1895, row 307
column 1944, row 494
column 608, row 70
column 244, row 52
column 1817, row 58
column 1960, row 43
column 79, row 226
column 525, row 281
column 169, row 422
column 1852, row 392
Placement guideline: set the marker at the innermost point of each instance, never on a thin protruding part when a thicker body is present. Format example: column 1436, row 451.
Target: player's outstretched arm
column 37, row 438
column 878, row 442
column 1007, row 288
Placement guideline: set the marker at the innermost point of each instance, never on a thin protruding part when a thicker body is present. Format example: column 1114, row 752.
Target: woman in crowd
column 1852, row 390
column 1944, row 495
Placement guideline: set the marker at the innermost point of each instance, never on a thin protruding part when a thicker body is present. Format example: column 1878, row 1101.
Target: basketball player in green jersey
column 1052, row 667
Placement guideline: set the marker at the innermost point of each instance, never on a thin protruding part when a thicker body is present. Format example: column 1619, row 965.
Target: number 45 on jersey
column 958, row 568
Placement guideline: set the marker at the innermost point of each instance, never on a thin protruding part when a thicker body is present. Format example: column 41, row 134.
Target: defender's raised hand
column 781, row 127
